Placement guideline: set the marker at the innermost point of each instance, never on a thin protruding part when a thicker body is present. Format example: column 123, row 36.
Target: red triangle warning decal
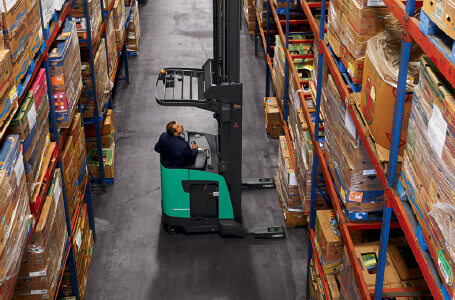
column 236, row 126
column 389, row 137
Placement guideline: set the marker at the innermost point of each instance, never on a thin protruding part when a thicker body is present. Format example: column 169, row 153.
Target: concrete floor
column 133, row 257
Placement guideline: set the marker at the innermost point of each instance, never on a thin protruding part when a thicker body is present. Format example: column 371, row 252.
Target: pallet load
column 133, row 33
column 380, row 85
column 35, row 29
column 65, row 72
column 261, row 8
column 43, row 258
column 79, row 17
column 272, row 117
column 360, row 189
column 8, row 95
column 102, row 82
column 32, row 124
column 429, row 166
column 438, row 14
column 249, row 13
column 83, row 247
column 16, row 221
column 16, row 36
column 120, row 16
column 111, row 43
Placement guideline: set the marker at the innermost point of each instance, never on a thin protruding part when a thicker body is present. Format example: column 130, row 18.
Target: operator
column 174, row 150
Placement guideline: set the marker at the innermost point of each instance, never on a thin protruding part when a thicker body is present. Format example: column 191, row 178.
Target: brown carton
column 328, row 233
column 353, row 65
column 404, row 261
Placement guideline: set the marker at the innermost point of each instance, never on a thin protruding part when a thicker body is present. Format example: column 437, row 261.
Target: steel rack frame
column 392, row 202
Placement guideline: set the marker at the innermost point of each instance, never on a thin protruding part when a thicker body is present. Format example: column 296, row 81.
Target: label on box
column 369, row 172
column 349, row 124
column 38, row 292
column 375, row 3
column 19, row 168
column 439, row 11
column 31, row 116
column 79, row 239
column 444, row 267
column 437, row 128
column 13, row 94
column 39, row 273
column 40, row 33
column 355, row 196
column 57, row 191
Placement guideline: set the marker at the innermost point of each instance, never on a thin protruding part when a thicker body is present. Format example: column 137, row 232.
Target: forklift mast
column 217, row 88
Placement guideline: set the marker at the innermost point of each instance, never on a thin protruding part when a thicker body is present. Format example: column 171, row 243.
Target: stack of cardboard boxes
column 8, row 95
column 120, row 16
column 429, row 165
column 44, row 255
column 32, row 124
column 65, row 72
column 102, row 82
column 249, row 13
column 134, row 29
column 272, row 117
column 108, row 145
column 351, row 24
column 355, row 177
column 441, row 14
column 79, row 17
column 111, row 43
column 83, row 248
column 15, row 207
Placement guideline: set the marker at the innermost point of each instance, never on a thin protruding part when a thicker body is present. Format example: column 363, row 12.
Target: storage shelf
column 391, row 198
column 62, row 271
column 78, row 209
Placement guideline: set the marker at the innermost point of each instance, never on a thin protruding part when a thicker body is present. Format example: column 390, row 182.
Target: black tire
column 170, row 229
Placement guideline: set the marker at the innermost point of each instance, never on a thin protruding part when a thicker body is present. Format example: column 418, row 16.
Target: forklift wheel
column 170, row 229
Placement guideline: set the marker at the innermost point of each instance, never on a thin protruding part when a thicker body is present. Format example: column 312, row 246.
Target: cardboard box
column 442, row 13
column 367, row 255
column 334, row 41
column 377, row 106
column 329, row 236
column 25, row 119
column 437, row 89
column 106, row 141
column 404, row 261
column 35, row 40
column 368, row 20
column 8, row 98
column 108, row 161
column 13, row 14
column 354, row 42
column 5, row 68
column 17, row 42
column 39, row 88
column 21, row 65
column 353, row 66
column 329, row 267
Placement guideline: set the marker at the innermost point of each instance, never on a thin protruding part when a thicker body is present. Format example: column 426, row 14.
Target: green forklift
column 206, row 195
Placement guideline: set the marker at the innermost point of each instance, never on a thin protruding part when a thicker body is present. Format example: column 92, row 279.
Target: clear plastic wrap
column 110, row 40
column 383, row 50
column 428, row 167
column 334, row 18
column 134, row 30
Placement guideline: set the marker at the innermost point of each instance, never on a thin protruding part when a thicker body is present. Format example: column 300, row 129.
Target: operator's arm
column 158, row 144
column 190, row 152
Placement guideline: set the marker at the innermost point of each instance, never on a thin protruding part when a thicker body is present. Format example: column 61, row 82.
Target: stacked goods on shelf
column 8, row 94
column 16, row 36
column 261, row 8
column 32, row 124
column 111, row 42
column 43, row 259
column 272, row 117
column 249, row 13
column 428, row 166
column 286, row 185
column 16, row 219
column 108, row 144
column 119, row 23
column 65, row 72
column 94, row 12
column 35, row 29
column 134, row 29
column 441, row 13
column 83, row 246
column 325, row 68
column 316, row 287
column 102, row 82
column 74, row 163
column 351, row 24
column 303, row 67
column 355, row 177
column 380, row 85
column 401, row 268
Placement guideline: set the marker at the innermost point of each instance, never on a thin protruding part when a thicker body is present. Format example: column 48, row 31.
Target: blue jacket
column 175, row 151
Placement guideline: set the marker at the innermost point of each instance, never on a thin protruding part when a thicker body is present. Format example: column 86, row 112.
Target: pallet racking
column 393, row 203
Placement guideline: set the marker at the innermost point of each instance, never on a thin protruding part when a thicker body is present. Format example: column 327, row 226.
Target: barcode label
column 39, row 273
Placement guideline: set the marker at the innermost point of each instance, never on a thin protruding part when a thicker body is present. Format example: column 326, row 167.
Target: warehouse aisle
column 133, row 257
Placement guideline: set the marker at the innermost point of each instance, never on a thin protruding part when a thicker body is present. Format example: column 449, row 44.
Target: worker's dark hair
column 170, row 128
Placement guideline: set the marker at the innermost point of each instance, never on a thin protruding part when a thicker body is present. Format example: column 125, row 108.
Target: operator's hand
column 194, row 145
